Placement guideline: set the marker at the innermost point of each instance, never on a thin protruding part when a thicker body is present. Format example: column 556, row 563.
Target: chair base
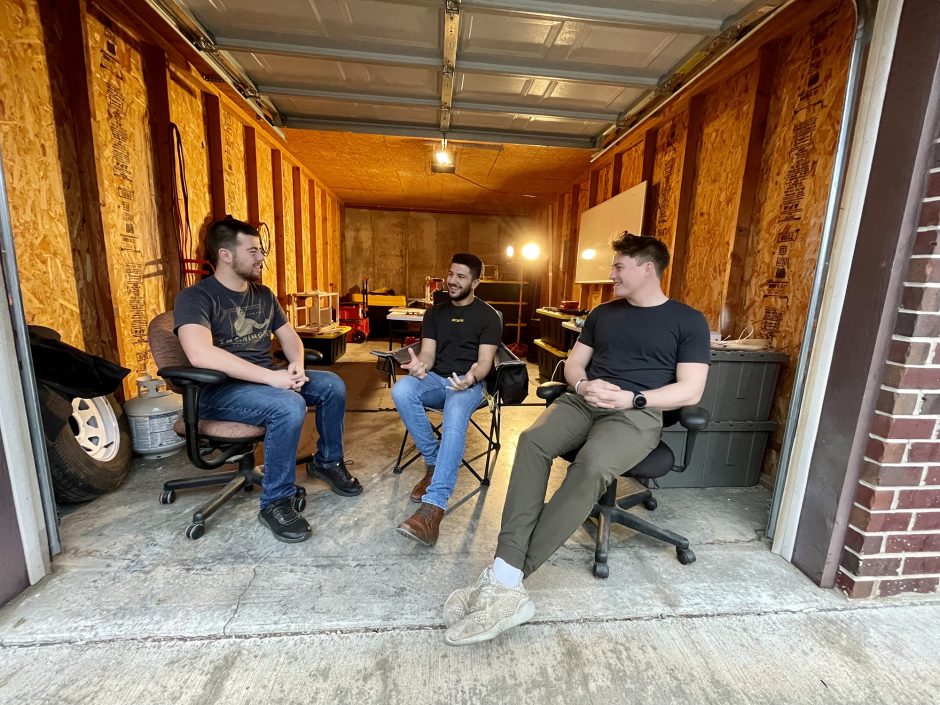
column 245, row 478
column 613, row 510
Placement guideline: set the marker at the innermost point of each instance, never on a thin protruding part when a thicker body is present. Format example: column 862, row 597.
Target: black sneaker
column 336, row 476
column 285, row 522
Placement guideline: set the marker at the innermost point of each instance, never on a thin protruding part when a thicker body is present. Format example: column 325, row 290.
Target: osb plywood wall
column 233, row 165
column 191, row 163
column 31, row 163
column 121, row 131
column 85, row 140
column 398, row 249
column 719, row 169
column 739, row 171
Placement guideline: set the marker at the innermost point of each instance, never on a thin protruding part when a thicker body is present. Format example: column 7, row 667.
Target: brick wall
column 892, row 545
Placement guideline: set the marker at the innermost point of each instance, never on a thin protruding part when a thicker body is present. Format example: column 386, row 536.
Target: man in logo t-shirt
column 225, row 323
column 458, row 344
column 637, row 355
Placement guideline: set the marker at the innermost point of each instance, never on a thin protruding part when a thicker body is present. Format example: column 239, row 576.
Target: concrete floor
column 137, row 613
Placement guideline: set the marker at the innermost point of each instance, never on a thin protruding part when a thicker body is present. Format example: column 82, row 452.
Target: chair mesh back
column 164, row 345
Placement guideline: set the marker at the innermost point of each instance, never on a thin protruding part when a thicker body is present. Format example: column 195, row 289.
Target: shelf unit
column 503, row 295
column 557, row 336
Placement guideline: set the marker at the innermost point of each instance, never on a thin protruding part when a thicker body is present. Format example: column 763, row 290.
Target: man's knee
column 293, row 409
column 333, row 385
column 534, row 439
column 404, row 390
column 598, row 475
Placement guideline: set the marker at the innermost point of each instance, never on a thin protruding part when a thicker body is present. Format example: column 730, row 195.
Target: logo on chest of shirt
column 456, row 320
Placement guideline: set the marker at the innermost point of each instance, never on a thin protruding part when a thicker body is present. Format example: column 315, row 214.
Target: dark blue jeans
column 282, row 412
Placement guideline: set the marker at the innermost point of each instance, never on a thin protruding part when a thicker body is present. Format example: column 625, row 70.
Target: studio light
column 531, row 251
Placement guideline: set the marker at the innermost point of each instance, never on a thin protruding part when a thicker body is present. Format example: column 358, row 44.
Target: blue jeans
column 411, row 395
column 282, row 412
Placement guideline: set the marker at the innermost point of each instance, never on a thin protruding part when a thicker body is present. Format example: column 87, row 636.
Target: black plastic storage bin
column 728, row 454
column 741, row 384
column 739, row 396
column 331, row 345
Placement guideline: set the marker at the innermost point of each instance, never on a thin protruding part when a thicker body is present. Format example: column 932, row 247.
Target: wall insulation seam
column 35, row 511
column 793, row 475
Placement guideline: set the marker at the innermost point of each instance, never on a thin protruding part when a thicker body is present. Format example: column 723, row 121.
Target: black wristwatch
column 639, row 400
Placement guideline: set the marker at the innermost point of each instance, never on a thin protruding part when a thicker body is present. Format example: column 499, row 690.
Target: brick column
column 892, row 544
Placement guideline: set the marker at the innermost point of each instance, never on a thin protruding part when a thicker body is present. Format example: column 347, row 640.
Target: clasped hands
column 417, row 368
column 605, row 395
column 292, row 377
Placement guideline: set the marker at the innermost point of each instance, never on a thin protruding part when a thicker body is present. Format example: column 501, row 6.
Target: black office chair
column 612, row 509
column 209, row 444
column 506, row 384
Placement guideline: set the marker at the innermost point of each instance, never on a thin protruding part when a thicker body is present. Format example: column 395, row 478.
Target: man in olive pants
column 638, row 355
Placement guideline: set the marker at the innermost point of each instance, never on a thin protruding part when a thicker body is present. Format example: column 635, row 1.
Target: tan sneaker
column 461, row 601
column 497, row 608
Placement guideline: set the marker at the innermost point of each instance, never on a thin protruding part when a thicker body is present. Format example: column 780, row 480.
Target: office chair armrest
column 311, row 357
column 550, row 391
column 183, row 376
column 694, row 418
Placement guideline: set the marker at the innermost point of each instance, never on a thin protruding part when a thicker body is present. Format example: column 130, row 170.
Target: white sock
column 506, row 574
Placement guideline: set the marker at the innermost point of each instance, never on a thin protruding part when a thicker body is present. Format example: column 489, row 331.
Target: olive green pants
column 611, row 443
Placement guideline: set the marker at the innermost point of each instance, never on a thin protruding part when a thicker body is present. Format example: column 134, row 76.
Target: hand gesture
column 415, row 367
column 458, row 384
column 604, row 395
column 298, row 375
column 282, row 379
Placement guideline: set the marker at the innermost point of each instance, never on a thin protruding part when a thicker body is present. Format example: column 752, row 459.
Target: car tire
column 88, row 444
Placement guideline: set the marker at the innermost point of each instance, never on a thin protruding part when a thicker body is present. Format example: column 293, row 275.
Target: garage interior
column 127, row 127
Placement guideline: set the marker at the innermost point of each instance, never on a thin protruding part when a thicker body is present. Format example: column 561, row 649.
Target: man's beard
column 462, row 294
column 247, row 272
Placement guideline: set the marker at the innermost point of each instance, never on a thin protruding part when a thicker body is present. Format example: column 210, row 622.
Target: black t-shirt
column 637, row 348
column 241, row 322
column 459, row 332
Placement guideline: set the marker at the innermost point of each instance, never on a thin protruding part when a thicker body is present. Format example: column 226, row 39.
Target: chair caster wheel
column 397, row 470
column 601, row 570
column 685, row 555
column 300, row 491
column 299, row 503
column 485, row 483
column 650, row 503
column 168, row 497
column 194, row 531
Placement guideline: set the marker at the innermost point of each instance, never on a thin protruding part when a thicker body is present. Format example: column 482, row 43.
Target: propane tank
column 151, row 416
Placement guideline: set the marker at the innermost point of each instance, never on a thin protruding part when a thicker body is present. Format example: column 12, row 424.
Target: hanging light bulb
column 442, row 156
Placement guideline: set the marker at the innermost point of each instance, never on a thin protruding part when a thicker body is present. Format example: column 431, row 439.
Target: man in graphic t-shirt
column 638, row 355
column 459, row 338
column 225, row 323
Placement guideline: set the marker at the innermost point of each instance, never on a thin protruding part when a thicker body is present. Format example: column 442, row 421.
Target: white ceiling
column 523, row 71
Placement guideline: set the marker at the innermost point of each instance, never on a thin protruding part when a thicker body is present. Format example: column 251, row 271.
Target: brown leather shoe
column 417, row 493
column 423, row 525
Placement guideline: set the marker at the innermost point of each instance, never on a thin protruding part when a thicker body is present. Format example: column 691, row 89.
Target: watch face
column 639, row 401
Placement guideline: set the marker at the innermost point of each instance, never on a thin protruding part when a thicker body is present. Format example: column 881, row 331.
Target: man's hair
column 643, row 249
column 472, row 261
column 223, row 234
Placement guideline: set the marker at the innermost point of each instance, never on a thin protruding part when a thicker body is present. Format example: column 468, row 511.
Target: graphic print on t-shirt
column 243, row 326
